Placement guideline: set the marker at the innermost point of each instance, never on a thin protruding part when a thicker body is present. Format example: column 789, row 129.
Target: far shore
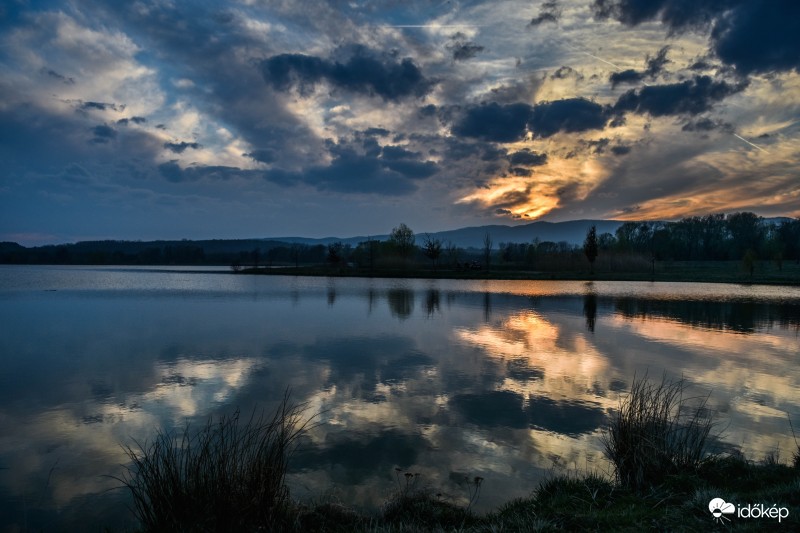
column 689, row 271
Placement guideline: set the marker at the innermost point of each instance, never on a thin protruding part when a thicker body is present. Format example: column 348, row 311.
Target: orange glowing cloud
column 542, row 191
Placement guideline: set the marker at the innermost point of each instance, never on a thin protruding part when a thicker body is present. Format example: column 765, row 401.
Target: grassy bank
column 686, row 271
column 230, row 476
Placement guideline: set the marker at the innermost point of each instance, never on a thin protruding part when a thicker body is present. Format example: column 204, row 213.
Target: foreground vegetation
column 230, row 476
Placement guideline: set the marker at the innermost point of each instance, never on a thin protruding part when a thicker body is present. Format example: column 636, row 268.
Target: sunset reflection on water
column 503, row 380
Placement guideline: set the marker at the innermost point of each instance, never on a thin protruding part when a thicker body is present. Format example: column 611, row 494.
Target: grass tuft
column 656, row 433
column 228, row 476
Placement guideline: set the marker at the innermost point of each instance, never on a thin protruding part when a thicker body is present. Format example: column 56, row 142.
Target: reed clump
column 228, row 476
column 657, row 432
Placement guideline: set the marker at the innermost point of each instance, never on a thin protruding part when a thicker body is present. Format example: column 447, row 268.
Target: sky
column 173, row 119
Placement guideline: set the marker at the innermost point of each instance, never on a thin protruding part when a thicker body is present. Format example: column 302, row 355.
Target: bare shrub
column 657, row 432
column 228, row 476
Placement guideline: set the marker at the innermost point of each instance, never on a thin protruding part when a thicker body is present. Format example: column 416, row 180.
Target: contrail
column 751, row 144
column 613, row 65
column 432, row 26
column 604, row 61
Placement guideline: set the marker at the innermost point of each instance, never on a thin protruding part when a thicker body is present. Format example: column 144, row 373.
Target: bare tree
column 453, row 252
column 487, row 250
column 432, row 248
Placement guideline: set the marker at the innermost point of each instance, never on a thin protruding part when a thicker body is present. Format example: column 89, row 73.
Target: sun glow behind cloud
column 542, row 190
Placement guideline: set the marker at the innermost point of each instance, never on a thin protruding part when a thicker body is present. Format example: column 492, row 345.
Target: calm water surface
column 507, row 380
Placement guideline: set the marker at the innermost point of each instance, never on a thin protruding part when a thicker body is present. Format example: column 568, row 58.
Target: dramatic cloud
column 691, row 97
column 655, row 65
column 548, row 12
column 463, row 49
column 101, row 106
column 527, row 157
column 751, row 35
column 135, row 120
column 280, row 115
column 60, row 77
column 620, row 150
column 760, row 36
column 678, row 15
column 508, row 123
column 393, row 171
column 705, row 124
column 569, row 115
column 565, row 72
column 180, row 147
column 104, row 133
column 495, row 122
column 362, row 73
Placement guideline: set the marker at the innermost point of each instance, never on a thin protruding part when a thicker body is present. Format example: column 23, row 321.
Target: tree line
column 634, row 246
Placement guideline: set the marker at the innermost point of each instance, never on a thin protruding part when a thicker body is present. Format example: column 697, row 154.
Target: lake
column 507, row 380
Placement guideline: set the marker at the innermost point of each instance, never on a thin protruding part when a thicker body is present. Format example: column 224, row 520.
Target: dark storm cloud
column 706, row 124
column 181, row 147
column 490, row 153
column 363, row 73
column 60, row 77
column 135, row 120
column 760, row 36
column 527, row 157
column 678, row 15
column 463, row 50
column 701, row 64
column 262, row 156
column 103, row 133
column 380, row 132
column 620, row 150
column 172, row 171
column 692, row 96
column 548, row 12
column 626, row 76
column 751, row 35
column 100, row 106
column 565, row 72
column 391, row 173
column 569, row 115
column 511, row 122
column 655, row 65
column 495, row 122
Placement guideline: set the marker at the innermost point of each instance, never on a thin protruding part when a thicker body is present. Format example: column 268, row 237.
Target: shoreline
column 676, row 275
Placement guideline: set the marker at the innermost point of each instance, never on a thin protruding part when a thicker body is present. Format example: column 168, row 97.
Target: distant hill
column 572, row 232
column 280, row 249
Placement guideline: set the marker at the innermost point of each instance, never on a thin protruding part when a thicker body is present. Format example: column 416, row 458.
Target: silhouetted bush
column 228, row 476
column 657, row 432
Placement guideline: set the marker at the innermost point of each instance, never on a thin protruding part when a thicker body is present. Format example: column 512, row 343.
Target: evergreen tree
column 590, row 247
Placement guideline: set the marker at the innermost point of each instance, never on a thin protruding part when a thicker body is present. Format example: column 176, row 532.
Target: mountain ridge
column 572, row 231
